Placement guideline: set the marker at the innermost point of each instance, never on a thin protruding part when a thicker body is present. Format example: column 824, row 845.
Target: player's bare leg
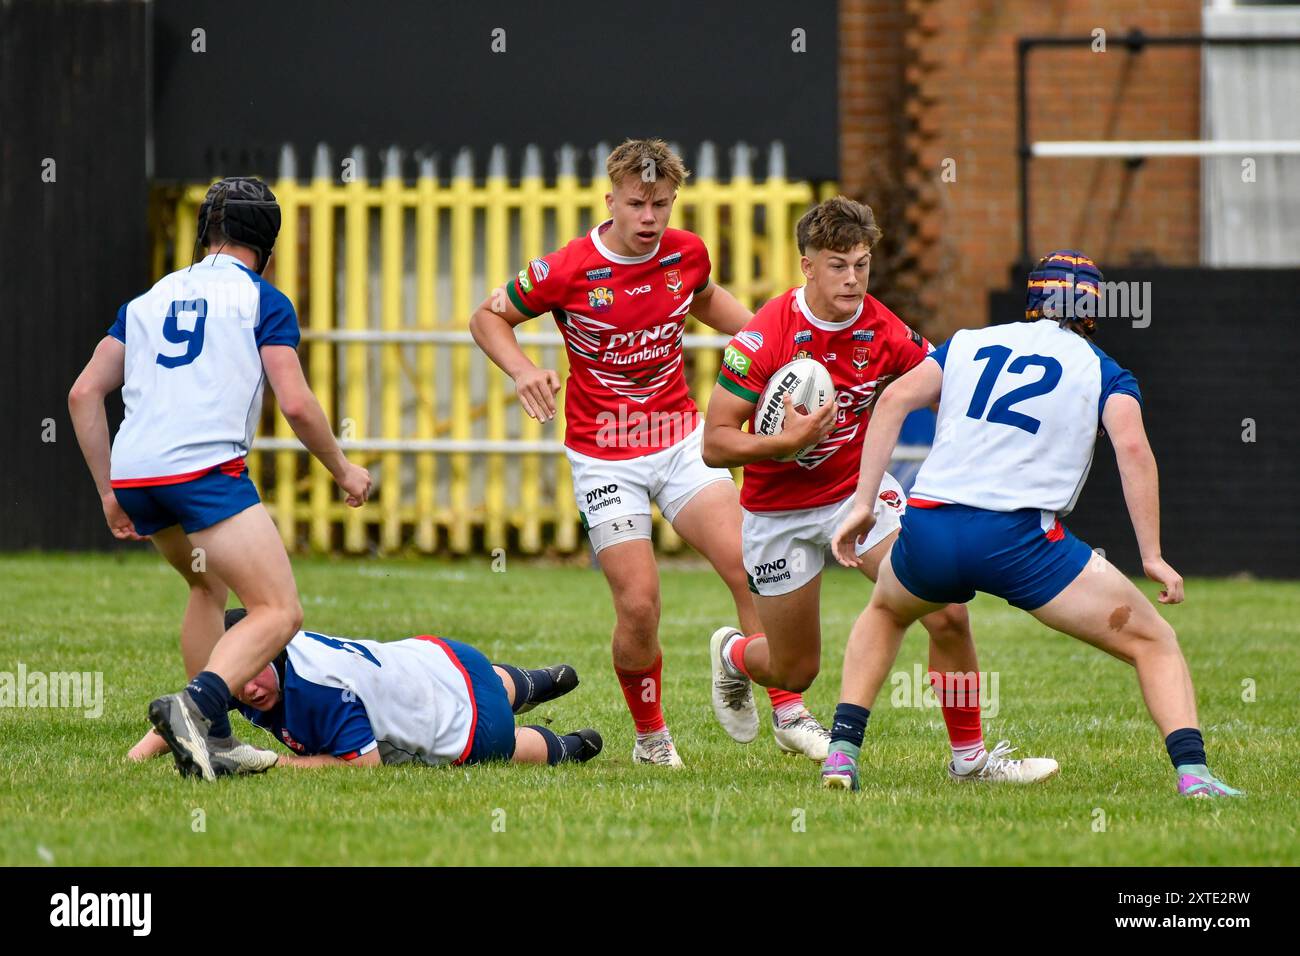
column 1104, row 608
column 786, row 655
column 529, row 746
column 710, row 523
column 633, row 578
column 245, row 551
column 203, row 624
column 877, row 635
column 790, row 653
column 952, row 647
column 869, row 657
column 201, row 629
column 147, row 747
column 954, row 675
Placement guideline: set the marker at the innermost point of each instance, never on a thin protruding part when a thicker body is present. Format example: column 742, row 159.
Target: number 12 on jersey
column 996, row 356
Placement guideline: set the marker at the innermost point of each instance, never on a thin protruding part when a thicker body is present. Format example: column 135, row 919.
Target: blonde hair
column 838, row 224
column 649, row 160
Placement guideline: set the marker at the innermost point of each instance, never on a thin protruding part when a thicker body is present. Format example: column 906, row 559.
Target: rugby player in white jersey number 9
column 191, row 356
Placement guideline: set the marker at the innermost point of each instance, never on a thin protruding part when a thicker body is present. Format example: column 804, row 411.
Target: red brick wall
column 951, row 242
column 874, row 123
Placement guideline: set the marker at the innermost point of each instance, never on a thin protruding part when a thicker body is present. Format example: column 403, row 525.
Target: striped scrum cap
column 1064, row 285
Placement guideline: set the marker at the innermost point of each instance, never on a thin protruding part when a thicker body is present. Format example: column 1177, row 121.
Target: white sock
column 727, row 666
column 788, row 711
column 966, row 759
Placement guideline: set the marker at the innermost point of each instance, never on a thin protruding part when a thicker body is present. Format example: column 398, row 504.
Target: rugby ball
column 809, row 386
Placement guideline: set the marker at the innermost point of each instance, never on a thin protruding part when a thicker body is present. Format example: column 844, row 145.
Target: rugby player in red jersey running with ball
column 620, row 296
column 791, row 508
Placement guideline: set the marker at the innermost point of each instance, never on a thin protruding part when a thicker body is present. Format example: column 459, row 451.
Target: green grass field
column 68, row 797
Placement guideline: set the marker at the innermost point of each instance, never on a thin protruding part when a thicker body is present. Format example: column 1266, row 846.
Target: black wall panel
column 423, row 74
column 73, row 89
column 1223, row 346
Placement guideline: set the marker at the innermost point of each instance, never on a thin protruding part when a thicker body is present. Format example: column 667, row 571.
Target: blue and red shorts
column 193, row 502
column 494, row 722
column 946, row 553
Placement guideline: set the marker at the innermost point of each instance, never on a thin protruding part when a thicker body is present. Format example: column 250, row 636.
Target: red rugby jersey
column 863, row 354
column 622, row 318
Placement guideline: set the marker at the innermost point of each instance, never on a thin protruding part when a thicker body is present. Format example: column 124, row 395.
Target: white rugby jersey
column 1018, row 417
column 193, row 376
column 416, row 695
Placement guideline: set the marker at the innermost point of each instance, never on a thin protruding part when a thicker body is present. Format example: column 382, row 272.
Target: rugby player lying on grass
column 336, row 702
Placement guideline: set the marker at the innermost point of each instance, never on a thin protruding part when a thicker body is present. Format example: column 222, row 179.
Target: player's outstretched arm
column 719, row 309
column 726, row 445
column 1122, row 419
column 917, row 389
column 104, row 373
column 325, row 760
column 307, row 419
column 493, row 327
column 150, row 745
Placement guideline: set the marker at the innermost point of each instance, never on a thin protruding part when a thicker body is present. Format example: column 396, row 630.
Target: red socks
column 959, row 696
column 736, row 656
column 780, row 698
column 736, row 652
column 641, row 690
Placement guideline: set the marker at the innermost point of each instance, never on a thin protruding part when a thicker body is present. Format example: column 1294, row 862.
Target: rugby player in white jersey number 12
column 620, row 296
column 1019, row 409
column 192, row 355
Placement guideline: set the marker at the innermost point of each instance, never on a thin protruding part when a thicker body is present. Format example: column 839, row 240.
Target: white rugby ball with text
column 809, row 386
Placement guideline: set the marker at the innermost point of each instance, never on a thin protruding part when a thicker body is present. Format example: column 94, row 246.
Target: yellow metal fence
column 385, row 276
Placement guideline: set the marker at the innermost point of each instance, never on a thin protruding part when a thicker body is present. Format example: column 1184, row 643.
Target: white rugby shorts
column 784, row 550
column 611, row 490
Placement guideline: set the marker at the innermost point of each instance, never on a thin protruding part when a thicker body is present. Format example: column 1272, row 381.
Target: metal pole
column 1023, row 46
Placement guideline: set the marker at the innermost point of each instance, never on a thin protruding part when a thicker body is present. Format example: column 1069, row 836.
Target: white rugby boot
column 197, row 753
column 230, row 755
column 657, row 749
column 998, row 768
column 733, row 696
column 802, row 734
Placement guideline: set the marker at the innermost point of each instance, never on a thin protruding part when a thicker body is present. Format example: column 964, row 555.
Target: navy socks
column 535, row 686
column 1186, row 747
column 568, row 747
column 850, row 724
column 212, row 696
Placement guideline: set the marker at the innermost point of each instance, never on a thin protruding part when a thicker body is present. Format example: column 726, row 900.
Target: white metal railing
column 1081, row 149
column 464, row 337
column 483, row 446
